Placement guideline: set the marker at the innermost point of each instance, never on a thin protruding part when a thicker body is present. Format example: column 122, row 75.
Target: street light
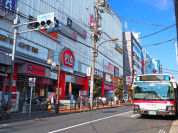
column 93, row 68
column 53, row 64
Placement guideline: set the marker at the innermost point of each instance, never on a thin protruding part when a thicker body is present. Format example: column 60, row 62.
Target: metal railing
column 47, row 109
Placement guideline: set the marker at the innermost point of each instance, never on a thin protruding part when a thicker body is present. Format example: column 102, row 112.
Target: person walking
column 52, row 102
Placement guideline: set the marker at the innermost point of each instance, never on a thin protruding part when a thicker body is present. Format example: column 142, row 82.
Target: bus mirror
column 174, row 85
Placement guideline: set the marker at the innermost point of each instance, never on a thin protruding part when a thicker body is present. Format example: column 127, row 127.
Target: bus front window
column 143, row 91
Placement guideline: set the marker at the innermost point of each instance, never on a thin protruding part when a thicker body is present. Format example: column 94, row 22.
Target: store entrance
column 75, row 90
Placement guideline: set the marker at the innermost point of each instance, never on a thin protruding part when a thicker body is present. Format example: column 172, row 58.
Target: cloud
column 159, row 4
column 164, row 4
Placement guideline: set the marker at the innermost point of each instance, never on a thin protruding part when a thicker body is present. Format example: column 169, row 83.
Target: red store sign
column 68, row 58
column 44, row 81
column 34, row 69
column 108, row 87
column 111, row 68
column 79, row 80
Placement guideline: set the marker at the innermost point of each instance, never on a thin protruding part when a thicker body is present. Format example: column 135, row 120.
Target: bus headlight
column 136, row 106
column 169, row 108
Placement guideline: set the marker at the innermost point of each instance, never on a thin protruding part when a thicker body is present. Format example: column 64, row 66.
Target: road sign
column 129, row 80
column 32, row 82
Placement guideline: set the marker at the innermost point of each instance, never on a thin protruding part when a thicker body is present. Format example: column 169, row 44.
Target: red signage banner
column 44, row 81
column 79, row 80
column 34, row 69
column 68, row 58
column 108, row 87
column 111, row 68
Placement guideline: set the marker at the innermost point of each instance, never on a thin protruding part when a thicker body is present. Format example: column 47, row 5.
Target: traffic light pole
column 16, row 20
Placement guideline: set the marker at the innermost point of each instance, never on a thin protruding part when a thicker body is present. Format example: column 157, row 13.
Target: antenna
column 125, row 26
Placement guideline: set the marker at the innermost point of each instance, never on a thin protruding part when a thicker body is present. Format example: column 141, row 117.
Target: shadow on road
column 158, row 117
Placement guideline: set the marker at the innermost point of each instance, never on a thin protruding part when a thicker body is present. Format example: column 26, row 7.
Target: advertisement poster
column 105, row 64
column 129, row 80
column 41, row 92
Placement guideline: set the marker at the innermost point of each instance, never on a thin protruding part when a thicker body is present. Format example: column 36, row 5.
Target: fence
column 36, row 110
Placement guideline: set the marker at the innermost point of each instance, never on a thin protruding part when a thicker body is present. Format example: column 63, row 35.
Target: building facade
column 132, row 56
column 33, row 49
column 148, row 66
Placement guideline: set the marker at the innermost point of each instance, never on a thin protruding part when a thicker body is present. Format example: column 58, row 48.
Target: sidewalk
column 15, row 117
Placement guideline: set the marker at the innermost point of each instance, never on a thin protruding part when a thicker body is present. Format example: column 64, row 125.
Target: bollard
column 56, row 108
column 75, row 106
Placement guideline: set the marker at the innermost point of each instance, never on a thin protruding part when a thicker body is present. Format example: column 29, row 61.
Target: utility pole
column 101, row 6
column 176, row 51
column 16, row 21
column 95, row 37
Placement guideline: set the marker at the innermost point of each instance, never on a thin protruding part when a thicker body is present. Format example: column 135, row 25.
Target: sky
column 159, row 12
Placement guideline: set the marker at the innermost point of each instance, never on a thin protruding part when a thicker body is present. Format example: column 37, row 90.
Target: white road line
column 59, row 130
column 3, row 125
column 134, row 115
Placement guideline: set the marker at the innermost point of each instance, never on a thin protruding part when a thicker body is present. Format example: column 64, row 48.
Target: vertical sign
column 105, row 66
column 110, row 68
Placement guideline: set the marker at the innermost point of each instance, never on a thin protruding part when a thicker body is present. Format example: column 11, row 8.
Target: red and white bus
column 155, row 94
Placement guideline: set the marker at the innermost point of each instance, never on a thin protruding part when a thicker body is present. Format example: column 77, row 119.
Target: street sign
column 128, row 80
column 88, row 71
column 32, row 82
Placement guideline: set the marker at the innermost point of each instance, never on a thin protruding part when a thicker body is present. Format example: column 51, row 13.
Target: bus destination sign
column 153, row 78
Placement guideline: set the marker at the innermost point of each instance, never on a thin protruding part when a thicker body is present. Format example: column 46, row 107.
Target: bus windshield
column 159, row 91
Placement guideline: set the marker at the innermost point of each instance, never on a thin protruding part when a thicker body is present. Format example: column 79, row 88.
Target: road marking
column 59, row 130
column 134, row 115
column 3, row 125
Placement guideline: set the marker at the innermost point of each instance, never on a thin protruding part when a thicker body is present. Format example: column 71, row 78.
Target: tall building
column 132, row 56
column 148, row 66
column 157, row 66
column 73, row 41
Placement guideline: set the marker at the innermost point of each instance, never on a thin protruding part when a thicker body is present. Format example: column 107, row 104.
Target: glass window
column 153, row 91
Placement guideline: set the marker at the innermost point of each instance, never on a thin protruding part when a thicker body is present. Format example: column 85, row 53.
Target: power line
column 142, row 22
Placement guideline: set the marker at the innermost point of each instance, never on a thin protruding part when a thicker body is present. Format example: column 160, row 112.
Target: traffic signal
column 45, row 21
column 54, row 29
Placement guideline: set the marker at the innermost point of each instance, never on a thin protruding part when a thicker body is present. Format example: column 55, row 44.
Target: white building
column 34, row 48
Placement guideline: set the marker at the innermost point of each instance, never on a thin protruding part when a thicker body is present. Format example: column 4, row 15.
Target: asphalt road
column 113, row 120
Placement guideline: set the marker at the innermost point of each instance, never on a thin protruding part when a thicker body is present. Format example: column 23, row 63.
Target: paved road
column 113, row 120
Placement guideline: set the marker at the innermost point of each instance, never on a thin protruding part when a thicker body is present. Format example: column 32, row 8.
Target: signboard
column 108, row 87
column 42, row 92
column 110, row 68
column 32, row 82
column 79, row 80
column 45, row 81
column 119, row 49
column 116, row 71
column 88, row 71
column 68, row 58
column 98, row 73
column 153, row 78
column 45, row 17
column 108, row 78
column 76, row 28
column 129, row 80
column 76, row 65
column 105, row 64
column 7, row 9
column 34, row 69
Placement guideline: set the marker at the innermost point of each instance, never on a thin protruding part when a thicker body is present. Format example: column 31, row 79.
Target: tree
column 130, row 91
column 120, row 87
column 97, row 90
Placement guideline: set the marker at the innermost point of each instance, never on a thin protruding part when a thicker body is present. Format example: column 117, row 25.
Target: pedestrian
column 52, row 102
